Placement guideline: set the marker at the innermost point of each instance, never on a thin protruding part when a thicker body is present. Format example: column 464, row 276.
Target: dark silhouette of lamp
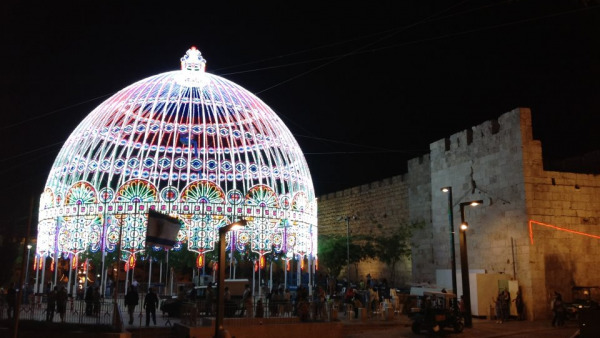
column 452, row 251
column 464, row 263
column 219, row 330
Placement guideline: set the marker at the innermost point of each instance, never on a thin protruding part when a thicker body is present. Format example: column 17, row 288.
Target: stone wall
column 501, row 164
column 484, row 163
column 375, row 209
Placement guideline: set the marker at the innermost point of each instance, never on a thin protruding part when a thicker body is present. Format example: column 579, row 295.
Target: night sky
column 363, row 85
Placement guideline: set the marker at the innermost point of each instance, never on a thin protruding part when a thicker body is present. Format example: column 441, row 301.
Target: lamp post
column 464, row 263
column 348, row 250
column 452, row 251
column 219, row 331
column 347, row 219
column 27, row 266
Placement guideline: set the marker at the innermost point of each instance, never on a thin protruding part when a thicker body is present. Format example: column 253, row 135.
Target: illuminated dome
column 186, row 143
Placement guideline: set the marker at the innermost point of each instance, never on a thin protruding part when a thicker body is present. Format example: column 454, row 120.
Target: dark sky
column 363, row 85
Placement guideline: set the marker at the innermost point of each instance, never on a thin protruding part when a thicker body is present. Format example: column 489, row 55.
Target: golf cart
column 436, row 312
column 581, row 300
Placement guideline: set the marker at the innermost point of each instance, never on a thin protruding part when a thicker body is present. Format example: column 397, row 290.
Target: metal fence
column 77, row 312
column 196, row 313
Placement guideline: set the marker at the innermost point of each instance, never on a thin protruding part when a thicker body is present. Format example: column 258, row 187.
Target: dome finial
column 193, row 61
column 193, row 66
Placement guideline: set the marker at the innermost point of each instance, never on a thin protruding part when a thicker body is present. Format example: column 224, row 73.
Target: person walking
column 51, row 304
column 61, row 303
column 150, row 304
column 131, row 301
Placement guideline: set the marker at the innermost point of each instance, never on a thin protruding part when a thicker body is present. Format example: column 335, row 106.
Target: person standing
column 89, row 300
column 150, row 304
column 11, row 301
column 247, row 301
column 229, row 306
column 51, row 304
column 519, row 305
column 131, row 301
column 558, row 310
column 96, row 297
column 210, row 296
column 498, row 305
column 505, row 305
column 61, row 303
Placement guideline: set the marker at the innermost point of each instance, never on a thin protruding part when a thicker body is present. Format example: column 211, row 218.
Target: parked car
column 582, row 300
column 171, row 307
column 437, row 313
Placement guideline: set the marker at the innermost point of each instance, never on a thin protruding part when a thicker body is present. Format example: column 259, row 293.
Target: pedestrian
column 89, row 300
column 247, row 302
column 96, row 297
column 150, row 304
column 260, row 309
column 11, row 301
column 505, row 305
column 209, row 297
column 558, row 310
column 51, row 304
column 320, row 312
column 2, row 298
column 287, row 302
column 131, row 301
column 273, row 298
column 61, row 303
column 229, row 305
column 498, row 304
column 519, row 305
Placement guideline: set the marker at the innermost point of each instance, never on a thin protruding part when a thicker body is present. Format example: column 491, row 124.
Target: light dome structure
column 186, row 143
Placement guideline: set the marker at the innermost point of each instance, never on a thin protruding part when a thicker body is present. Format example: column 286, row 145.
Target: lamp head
column 464, row 226
column 29, row 246
column 471, row 203
column 446, row 189
column 233, row 226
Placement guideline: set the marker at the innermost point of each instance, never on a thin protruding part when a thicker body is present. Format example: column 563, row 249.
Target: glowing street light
column 27, row 266
column 219, row 331
column 464, row 264
column 452, row 251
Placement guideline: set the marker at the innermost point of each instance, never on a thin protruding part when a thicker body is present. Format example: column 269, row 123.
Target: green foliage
column 388, row 249
column 332, row 253
column 391, row 249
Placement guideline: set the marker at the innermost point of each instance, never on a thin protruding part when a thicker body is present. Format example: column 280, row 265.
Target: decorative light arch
column 187, row 143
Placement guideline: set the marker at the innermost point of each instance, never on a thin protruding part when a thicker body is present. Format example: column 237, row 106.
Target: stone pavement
column 400, row 327
column 482, row 328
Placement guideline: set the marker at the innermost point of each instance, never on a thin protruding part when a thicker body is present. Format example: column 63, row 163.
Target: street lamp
column 219, row 331
column 464, row 264
column 452, row 251
column 27, row 266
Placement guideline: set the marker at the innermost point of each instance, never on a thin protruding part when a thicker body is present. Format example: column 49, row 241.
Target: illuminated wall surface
column 186, row 143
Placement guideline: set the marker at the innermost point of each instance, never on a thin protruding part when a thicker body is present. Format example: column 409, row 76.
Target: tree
column 391, row 249
column 333, row 251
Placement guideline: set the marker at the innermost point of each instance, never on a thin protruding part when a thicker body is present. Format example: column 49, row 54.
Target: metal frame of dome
column 187, row 143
